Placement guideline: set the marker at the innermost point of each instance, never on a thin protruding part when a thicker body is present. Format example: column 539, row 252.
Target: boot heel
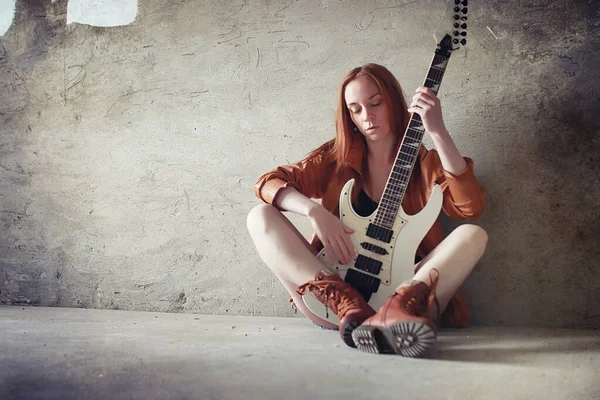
column 368, row 339
column 412, row 338
column 347, row 329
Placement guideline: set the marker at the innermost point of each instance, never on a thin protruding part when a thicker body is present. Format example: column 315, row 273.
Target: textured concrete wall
column 128, row 154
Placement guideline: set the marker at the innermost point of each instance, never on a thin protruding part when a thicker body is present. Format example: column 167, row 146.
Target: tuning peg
column 463, row 18
column 455, row 33
column 455, row 41
column 465, row 10
column 456, row 17
column 456, row 9
column 457, row 2
column 463, row 42
column 465, row 2
column 463, row 26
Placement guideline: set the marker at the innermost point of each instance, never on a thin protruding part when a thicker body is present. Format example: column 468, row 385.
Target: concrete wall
column 128, row 154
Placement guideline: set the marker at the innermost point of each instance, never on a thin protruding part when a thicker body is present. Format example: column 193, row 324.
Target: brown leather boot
column 402, row 324
column 342, row 299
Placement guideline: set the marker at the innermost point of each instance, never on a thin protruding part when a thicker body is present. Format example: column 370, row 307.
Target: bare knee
column 474, row 235
column 259, row 216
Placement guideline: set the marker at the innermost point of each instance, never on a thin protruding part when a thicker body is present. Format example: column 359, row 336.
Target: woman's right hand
column 333, row 234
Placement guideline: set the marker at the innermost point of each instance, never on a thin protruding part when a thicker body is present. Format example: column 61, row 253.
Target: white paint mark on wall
column 102, row 12
column 7, row 14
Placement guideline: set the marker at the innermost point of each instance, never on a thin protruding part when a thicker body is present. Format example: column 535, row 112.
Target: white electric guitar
column 380, row 266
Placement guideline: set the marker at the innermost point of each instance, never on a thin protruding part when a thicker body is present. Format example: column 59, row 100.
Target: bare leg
column 286, row 252
column 454, row 258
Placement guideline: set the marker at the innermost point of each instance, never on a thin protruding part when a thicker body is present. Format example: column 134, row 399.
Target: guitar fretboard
column 408, row 152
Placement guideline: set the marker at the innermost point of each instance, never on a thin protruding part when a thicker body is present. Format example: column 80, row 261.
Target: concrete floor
column 59, row 353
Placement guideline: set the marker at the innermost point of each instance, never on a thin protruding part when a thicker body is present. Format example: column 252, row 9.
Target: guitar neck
column 395, row 188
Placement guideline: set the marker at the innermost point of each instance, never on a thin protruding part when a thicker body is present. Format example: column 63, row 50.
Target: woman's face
column 367, row 108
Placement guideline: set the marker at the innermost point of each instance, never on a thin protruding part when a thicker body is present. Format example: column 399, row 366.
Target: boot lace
column 338, row 299
column 420, row 302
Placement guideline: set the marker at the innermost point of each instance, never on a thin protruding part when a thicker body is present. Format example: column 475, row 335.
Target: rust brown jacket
column 316, row 177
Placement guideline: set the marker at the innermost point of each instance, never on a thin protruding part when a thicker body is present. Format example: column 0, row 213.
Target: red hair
column 393, row 96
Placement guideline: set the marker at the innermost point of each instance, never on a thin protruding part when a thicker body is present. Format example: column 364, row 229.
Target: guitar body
column 379, row 267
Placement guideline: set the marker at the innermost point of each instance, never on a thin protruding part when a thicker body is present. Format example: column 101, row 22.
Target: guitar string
column 386, row 212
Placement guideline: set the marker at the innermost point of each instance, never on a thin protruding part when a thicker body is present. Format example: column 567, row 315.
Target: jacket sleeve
column 305, row 176
column 464, row 198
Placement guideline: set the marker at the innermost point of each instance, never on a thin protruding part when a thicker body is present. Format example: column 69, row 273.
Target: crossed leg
column 292, row 259
column 286, row 252
column 454, row 258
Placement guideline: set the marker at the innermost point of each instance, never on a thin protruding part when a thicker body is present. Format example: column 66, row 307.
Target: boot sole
column 347, row 330
column 405, row 338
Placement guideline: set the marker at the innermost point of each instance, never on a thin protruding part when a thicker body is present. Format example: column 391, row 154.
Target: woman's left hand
column 427, row 105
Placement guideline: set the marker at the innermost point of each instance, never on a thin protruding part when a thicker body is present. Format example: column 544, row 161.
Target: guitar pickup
column 373, row 248
column 368, row 264
column 365, row 284
column 379, row 233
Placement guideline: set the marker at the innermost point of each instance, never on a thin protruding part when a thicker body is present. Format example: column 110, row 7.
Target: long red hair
column 337, row 149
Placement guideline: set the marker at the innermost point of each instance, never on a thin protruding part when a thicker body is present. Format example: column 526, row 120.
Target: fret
column 398, row 185
column 407, row 159
column 393, row 206
column 396, row 177
column 394, row 195
column 432, row 80
column 433, row 76
column 403, row 164
column 411, row 141
column 403, row 178
column 386, row 206
column 405, row 167
column 384, row 215
column 393, row 201
column 385, row 222
column 407, row 154
column 399, row 177
column 417, row 126
column 388, row 221
column 396, row 189
column 409, row 150
column 418, row 130
column 413, row 144
column 440, row 62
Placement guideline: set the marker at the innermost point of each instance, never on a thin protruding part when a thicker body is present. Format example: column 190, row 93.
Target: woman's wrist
column 312, row 208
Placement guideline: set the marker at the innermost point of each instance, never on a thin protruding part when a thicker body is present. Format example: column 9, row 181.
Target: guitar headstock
column 452, row 30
